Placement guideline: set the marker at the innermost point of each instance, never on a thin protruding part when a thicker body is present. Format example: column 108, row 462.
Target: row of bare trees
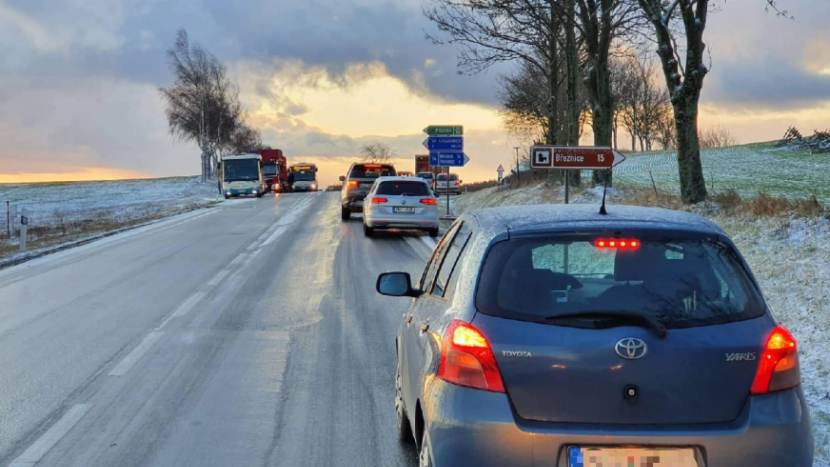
column 203, row 105
column 570, row 69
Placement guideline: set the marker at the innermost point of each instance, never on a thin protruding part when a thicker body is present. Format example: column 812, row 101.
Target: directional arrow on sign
column 448, row 159
column 574, row 158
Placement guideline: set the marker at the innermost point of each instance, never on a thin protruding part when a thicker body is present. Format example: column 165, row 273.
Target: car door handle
column 424, row 327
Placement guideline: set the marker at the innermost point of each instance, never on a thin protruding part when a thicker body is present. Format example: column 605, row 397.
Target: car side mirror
column 342, row 178
column 396, row 284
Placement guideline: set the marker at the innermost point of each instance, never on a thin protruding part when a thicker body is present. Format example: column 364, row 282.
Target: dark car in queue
column 358, row 182
column 553, row 336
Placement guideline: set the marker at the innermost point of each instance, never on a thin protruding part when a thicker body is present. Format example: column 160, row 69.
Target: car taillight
column 467, row 359
column 457, row 182
column 353, row 183
column 778, row 369
column 429, row 201
column 379, row 200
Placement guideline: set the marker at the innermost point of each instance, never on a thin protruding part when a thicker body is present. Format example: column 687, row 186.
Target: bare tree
column 202, row 104
column 684, row 82
column 244, row 139
column 377, row 152
column 717, row 137
column 666, row 131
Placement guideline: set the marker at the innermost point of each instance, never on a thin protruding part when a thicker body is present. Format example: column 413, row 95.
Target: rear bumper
column 467, row 427
column 426, row 220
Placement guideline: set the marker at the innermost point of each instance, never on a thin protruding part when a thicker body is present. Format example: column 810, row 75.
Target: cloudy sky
column 79, row 80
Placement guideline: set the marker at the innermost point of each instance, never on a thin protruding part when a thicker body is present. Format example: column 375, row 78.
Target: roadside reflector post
column 8, row 220
column 24, row 227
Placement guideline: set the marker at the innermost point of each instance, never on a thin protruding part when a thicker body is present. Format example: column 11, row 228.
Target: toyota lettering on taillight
column 467, row 359
column 778, row 368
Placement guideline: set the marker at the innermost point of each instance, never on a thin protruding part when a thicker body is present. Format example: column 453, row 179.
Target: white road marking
column 274, row 236
column 218, row 278
column 429, row 241
column 136, row 354
column 36, row 451
column 239, row 258
column 186, row 306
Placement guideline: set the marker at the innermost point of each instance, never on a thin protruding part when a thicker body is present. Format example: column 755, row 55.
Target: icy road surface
column 248, row 335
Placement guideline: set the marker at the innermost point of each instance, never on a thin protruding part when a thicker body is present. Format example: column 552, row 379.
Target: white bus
column 241, row 174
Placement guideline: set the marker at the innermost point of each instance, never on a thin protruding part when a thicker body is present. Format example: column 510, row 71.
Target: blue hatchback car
column 553, row 336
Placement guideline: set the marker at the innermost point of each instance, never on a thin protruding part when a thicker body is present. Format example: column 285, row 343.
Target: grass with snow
column 68, row 211
column 789, row 257
column 749, row 169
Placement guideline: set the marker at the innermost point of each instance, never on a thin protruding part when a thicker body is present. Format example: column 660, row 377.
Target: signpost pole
column 448, row 191
column 8, row 220
column 567, row 188
column 24, row 227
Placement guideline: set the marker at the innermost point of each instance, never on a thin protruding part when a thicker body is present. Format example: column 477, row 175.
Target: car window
column 682, row 282
column 450, row 261
column 435, row 261
column 372, row 171
column 403, row 188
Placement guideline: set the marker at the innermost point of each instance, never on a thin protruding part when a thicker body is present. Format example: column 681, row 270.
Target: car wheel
column 345, row 214
column 404, row 428
column 227, row 197
column 368, row 231
column 425, row 456
column 433, row 232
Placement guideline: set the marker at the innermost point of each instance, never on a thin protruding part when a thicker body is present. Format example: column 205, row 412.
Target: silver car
column 554, row 336
column 448, row 183
column 400, row 203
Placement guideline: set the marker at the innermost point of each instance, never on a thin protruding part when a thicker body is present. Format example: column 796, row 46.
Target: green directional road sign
column 444, row 130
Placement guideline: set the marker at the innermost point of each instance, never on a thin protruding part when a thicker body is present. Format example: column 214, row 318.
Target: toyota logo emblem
column 403, row 202
column 631, row 348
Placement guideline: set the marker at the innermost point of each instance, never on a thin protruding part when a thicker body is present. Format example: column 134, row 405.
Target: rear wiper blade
column 628, row 316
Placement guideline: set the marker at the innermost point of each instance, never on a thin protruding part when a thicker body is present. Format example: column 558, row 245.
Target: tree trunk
column 642, row 148
column 692, row 183
column 554, row 126
column 603, row 119
column 572, row 70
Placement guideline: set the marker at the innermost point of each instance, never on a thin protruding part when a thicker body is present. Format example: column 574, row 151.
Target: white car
column 400, row 203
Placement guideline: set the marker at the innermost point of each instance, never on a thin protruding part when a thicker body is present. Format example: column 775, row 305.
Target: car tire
column 433, row 232
column 345, row 214
column 368, row 231
column 227, row 197
column 425, row 454
column 404, row 428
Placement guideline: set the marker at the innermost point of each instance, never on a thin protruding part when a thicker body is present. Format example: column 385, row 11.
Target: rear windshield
column 404, row 188
column 682, row 282
column 442, row 177
column 372, row 171
column 426, row 175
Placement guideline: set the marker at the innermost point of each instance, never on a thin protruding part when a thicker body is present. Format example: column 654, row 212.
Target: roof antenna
column 602, row 210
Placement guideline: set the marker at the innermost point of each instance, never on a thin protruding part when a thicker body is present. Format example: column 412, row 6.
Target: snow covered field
column 62, row 212
column 747, row 169
column 789, row 256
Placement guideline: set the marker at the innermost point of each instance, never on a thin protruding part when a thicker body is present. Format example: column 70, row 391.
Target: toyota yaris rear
column 598, row 343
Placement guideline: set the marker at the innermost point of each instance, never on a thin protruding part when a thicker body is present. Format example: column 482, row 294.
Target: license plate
column 636, row 457
column 366, row 185
column 404, row 210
